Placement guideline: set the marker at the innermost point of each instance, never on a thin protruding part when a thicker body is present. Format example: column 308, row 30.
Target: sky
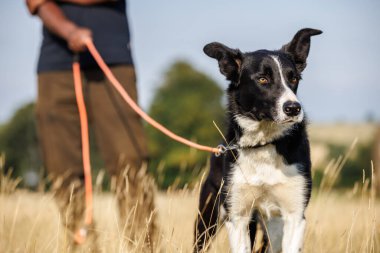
column 340, row 83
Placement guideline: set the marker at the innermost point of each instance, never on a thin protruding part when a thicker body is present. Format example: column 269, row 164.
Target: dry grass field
column 338, row 221
column 342, row 133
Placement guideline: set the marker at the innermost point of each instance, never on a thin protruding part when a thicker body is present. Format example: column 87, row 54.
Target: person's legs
column 120, row 137
column 59, row 135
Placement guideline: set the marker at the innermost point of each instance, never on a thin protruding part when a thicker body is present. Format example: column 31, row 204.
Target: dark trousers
column 118, row 132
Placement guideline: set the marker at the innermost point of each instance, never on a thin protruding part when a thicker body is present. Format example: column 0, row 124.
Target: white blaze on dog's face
column 288, row 108
column 264, row 83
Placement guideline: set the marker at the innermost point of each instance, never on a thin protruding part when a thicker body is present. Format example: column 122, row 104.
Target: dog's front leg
column 238, row 233
column 294, row 229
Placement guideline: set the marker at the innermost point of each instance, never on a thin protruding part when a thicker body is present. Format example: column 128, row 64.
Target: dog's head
column 264, row 83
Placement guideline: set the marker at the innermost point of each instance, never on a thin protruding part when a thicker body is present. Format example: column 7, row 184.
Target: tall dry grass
column 338, row 221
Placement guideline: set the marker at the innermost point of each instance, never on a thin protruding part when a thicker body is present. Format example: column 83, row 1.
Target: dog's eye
column 263, row 80
column 294, row 80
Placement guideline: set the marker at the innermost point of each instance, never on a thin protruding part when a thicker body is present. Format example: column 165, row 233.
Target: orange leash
column 81, row 234
column 94, row 52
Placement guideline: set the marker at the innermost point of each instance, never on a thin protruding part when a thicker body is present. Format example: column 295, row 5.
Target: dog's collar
column 253, row 146
column 223, row 149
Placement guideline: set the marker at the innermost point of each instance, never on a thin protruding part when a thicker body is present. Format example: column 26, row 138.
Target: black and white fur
column 266, row 173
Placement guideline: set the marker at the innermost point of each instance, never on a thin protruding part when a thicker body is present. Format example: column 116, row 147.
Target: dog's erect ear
column 229, row 60
column 299, row 47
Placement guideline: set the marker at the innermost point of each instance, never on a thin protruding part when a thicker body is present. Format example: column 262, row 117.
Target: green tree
column 19, row 143
column 187, row 102
column 18, row 140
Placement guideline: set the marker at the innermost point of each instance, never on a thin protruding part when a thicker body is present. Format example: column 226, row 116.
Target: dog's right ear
column 229, row 60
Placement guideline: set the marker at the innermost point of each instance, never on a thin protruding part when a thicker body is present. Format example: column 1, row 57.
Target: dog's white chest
column 260, row 178
column 262, row 167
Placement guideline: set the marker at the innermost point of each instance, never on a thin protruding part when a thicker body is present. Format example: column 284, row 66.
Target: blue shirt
column 109, row 25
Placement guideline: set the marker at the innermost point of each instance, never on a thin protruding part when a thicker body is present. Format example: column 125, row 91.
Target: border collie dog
column 264, row 176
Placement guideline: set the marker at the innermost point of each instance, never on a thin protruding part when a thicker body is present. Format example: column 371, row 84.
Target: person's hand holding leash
column 77, row 39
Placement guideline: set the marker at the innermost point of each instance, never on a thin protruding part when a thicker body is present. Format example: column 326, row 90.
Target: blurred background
column 182, row 88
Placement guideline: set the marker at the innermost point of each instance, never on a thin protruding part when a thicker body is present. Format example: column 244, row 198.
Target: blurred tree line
column 186, row 102
column 19, row 143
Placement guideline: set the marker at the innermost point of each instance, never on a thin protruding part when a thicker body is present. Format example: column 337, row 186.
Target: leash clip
column 223, row 149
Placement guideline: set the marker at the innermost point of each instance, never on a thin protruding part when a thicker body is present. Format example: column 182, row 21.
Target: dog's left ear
column 299, row 47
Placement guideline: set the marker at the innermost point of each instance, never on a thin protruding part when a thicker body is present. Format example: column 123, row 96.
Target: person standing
column 67, row 24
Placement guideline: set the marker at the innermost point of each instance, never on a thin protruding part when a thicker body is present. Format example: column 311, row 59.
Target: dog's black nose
column 291, row 108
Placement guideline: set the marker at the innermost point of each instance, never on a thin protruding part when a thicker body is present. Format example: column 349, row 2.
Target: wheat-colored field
column 342, row 133
column 338, row 221
column 323, row 135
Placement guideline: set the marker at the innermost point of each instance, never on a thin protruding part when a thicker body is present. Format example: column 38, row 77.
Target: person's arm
column 33, row 5
column 56, row 22
column 88, row 2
